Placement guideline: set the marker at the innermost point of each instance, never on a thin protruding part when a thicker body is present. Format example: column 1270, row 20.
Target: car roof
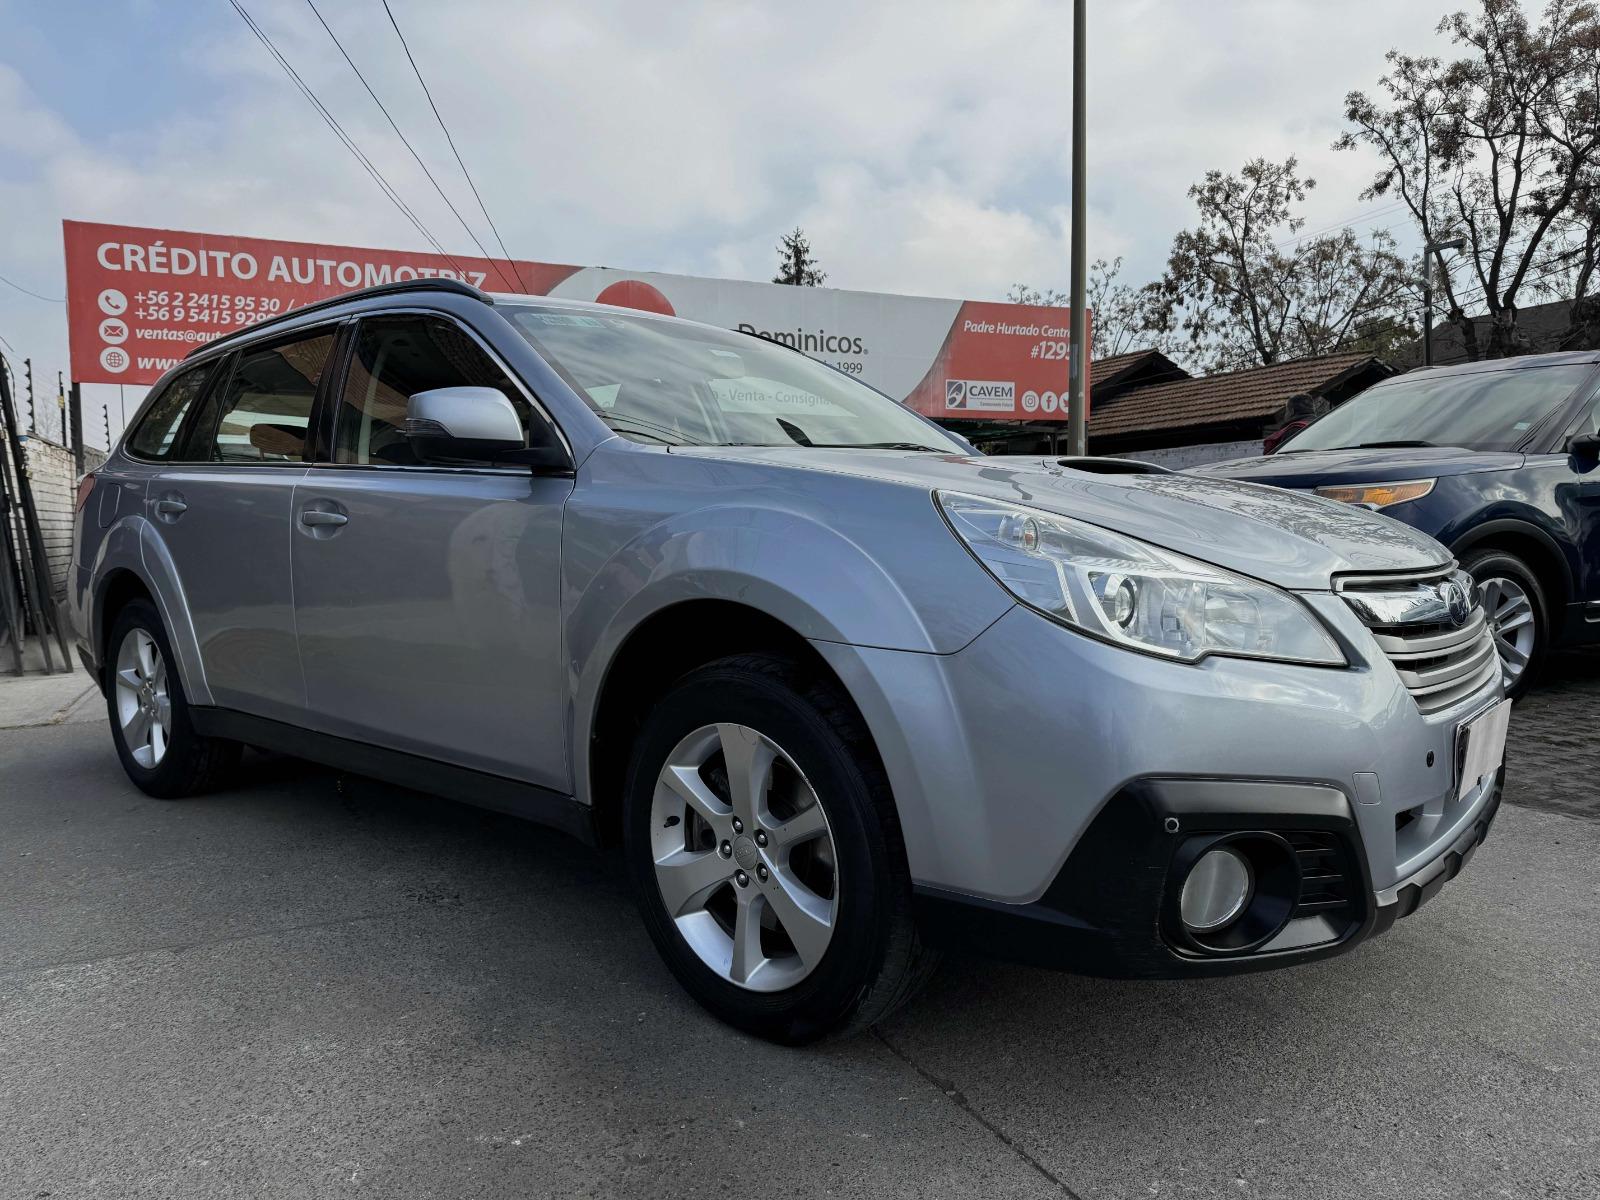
column 1523, row 362
column 375, row 299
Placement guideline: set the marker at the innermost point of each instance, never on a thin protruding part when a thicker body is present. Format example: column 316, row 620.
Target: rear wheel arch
column 116, row 590
column 659, row 651
column 144, row 697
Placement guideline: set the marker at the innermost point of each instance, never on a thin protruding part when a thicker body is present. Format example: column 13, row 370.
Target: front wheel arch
column 1525, row 635
column 655, row 654
column 1529, row 543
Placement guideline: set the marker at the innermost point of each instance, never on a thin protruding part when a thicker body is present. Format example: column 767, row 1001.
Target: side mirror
column 476, row 423
column 1585, row 447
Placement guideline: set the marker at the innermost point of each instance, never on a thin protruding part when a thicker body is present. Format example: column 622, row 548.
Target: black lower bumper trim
column 1414, row 896
column 1104, row 914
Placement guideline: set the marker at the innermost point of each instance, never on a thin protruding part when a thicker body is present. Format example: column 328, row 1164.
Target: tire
column 873, row 960
column 187, row 763
column 1502, row 580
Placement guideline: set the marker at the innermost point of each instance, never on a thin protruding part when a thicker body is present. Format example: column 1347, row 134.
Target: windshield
column 1490, row 411
column 687, row 385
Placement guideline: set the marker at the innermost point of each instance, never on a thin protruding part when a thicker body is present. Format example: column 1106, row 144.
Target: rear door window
column 263, row 412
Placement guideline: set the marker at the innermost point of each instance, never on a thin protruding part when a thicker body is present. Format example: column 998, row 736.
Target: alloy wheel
column 744, row 857
column 1509, row 610
column 144, row 707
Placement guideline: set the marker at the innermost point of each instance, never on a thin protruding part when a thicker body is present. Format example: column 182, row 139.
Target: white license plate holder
column 1481, row 746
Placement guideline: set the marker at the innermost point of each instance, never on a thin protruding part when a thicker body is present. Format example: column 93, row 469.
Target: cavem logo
column 979, row 395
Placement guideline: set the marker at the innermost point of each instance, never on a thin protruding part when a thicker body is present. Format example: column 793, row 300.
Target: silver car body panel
column 229, row 551
column 430, row 621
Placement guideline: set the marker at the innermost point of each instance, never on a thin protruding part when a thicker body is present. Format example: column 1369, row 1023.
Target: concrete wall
column 53, row 480
column 1180, row 458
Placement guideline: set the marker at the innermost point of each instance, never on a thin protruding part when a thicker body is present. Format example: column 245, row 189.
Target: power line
column 407, row 143
column 1339, row 225
column 349, row 143
column 30, row 292
column 1548, row 269
column 417, row 71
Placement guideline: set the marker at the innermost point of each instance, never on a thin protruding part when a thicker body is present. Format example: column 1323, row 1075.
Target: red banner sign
column 139, row 300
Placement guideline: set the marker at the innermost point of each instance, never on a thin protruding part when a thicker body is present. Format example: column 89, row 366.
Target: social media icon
column 113, row 303
column 114, row 331
column 114, row 359
column 1030, row 401
column 1048, row 402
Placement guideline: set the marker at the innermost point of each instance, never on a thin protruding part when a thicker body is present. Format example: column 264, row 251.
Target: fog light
column 1216, row 890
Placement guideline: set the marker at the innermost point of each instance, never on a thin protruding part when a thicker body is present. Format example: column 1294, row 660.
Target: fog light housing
column 1216, row 890
column 1230, row 893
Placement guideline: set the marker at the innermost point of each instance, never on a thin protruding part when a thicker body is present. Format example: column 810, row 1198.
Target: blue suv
column 1500, row 461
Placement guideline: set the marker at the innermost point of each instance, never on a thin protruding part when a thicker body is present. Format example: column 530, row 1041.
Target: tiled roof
column 1220, row 399
column 1109, row 368
column 1114, row 373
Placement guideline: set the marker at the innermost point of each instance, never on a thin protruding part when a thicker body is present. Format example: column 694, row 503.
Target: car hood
column 1292, row 540
column 1313, row 468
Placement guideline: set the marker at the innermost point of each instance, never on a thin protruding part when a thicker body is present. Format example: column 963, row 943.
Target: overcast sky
column 924, row 147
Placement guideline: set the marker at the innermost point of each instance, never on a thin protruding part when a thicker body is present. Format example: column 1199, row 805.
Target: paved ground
column 310, row 988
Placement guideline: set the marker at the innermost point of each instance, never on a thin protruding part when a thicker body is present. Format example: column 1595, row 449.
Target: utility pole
column 105, row 411
column 27, row 368
column 1429, row 252
column 1078, row 352
column 61, row 405
column 75, row 417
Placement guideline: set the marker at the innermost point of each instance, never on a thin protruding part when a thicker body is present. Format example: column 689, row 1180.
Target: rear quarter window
column 157, row 429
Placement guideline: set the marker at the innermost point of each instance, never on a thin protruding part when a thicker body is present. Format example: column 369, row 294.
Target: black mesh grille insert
column 1329, row 881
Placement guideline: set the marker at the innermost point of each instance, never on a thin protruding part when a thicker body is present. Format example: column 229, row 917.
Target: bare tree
column 1117, row 310
column 796, row 264
column 1500, row 146
column 1242, row 289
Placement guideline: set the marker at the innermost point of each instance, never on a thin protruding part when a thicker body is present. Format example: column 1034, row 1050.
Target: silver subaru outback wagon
column 844, row 691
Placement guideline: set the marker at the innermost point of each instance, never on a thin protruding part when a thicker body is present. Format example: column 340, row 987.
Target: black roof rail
column 454, row 286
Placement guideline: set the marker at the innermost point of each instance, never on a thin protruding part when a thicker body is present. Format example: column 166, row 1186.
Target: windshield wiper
column 882, row 446
column 799, row 435
column 645, row 428
column 795, row 432
column 1395, row 445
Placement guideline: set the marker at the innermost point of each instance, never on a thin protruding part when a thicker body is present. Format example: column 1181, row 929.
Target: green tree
column 796, row 264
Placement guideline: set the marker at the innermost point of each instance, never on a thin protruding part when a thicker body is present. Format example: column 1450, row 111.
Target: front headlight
column 1130, row 592
column 1378, row 495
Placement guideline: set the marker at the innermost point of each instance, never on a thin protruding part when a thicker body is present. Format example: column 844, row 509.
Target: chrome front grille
column 1443, row 652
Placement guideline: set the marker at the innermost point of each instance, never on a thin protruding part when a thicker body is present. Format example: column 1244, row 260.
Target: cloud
column 924, row 146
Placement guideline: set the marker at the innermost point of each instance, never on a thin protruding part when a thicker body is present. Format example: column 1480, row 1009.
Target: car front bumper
column 1038, row 775
column 1111, row 910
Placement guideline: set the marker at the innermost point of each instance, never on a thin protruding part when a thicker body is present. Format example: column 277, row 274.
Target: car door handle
column 313, row 517
column 171, row 508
